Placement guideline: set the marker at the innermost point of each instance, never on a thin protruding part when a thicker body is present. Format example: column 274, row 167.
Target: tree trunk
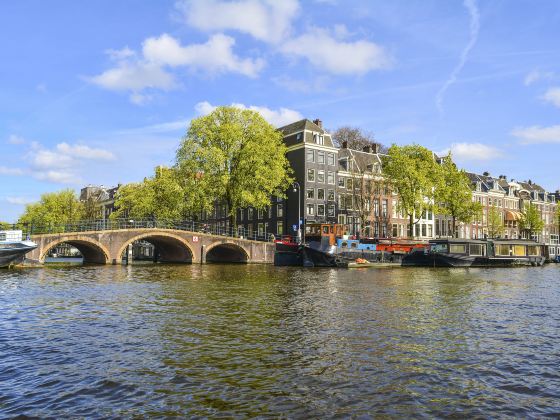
column 453, row 222
column 411, row 226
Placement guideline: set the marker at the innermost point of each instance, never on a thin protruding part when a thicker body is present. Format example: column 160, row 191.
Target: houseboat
column 477, row 253
column 13, row 248
column 328, row 245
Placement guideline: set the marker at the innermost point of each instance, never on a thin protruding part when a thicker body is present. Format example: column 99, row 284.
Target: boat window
column 533, row 250
column 2, row 236
column 326, row 230
column 438, row 247
column 457, row 248
column 344, row 245
column 502, row 249
column 476, row 249
column 519, row 250
column 354, row 245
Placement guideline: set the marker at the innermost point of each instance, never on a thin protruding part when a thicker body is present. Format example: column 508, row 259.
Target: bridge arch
column 92, row 251
column 226, row 252
column 171, row 248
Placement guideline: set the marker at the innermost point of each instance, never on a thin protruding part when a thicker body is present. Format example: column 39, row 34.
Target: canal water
column 250, row 340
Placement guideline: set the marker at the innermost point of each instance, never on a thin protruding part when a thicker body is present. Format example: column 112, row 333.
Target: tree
column 235, row 157
column 414, row 174
column 92, row 209
column 454, row 195
column 54, row 209
column 158, row 197
column 531, row 220
column 494, row 222
column 355, row 138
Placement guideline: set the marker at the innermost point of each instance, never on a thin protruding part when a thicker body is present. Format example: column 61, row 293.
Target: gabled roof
column 360, row 158
column 301, row 125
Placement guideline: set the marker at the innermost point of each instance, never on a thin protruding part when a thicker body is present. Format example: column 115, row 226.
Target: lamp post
column 296, row 188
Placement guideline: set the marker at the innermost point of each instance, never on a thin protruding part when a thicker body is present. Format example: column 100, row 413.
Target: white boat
column 13, row 248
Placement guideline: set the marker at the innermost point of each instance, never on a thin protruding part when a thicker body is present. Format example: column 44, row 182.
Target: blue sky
column 100, row 92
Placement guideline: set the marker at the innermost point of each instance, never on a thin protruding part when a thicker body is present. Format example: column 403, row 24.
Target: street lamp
column 296, row 187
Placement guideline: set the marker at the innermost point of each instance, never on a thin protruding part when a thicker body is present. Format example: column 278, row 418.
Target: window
column 384, row 209
column 341, row 219
column 475, row 249
column 376, row 207
column 241, row 213
column 311, row 175
column 311, row 193
column 348, row 202
column 395, row 230
column 502, row 249
column 250, row 214
column 341, row 182
column 269, row 211
column 330, row 195
column 261, row 229
column 349, row 183
column 310, row 156
column 320, row 176
column 331, row 210
column 318, row 138
column 321, row 157
column 280, row 228
column 457, row 248
column 260, row 213
column 330, row 159
column 298, row 136
column 320, row 209
column 311, row 209
column 320, row 194
column 341, row 201
column 330, row 178
column 423, row 229
column 279, row 210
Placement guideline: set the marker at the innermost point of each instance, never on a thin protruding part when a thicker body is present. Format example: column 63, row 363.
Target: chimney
column 374, row 148
column 318, row 122
column 486, row 173
column 366, row 149
column 345, row 144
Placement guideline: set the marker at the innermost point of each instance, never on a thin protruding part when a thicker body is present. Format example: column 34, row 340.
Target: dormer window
column 318, row 139
column 478, row 186
column 299, row 136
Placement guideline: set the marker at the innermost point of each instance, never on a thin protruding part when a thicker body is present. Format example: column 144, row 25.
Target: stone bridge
column 174, row 246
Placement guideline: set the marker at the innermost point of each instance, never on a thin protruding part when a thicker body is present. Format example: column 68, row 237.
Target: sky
column 101, row 92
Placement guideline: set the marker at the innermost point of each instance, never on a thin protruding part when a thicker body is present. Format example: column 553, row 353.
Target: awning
column 513, row 215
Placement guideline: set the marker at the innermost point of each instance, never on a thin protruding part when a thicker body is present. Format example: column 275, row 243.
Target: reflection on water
column 263, row 341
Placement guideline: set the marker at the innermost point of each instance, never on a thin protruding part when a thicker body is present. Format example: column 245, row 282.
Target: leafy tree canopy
column 531, row 220
column 494, row 223
column 415, row 176
column 57, row 208
column 158, row 197
column 454, row 194
column 235, row 157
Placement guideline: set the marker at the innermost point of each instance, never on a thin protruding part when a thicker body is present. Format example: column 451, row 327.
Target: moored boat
column 477, row 253
column 13, row 248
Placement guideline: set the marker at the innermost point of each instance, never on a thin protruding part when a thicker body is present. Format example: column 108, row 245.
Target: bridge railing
column 121, row 224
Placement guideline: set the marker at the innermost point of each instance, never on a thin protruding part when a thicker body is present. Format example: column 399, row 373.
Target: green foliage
column 235, row 157
column 454, row 194
column 57, row 208
column 158, row 197
column 531, row 220
column 494, row 223
column 415, row 176
column 5, row 226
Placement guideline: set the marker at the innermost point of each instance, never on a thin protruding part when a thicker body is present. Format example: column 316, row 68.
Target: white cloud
column 535, row 75
column 335, row 56
column 474, row 151
column 59, row 177
column 4, row 170
column 13, row 139
column 135, row 76
column 20, row 200
column 537, row 134
column 265, row 20
column 63, row 163
column 215, row 56
column 160, row 54
column 82, row 151
column 553, row 95
column 278, row 118
column 474, row 29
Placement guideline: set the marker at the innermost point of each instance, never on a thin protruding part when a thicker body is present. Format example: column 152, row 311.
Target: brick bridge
column 174, row 246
